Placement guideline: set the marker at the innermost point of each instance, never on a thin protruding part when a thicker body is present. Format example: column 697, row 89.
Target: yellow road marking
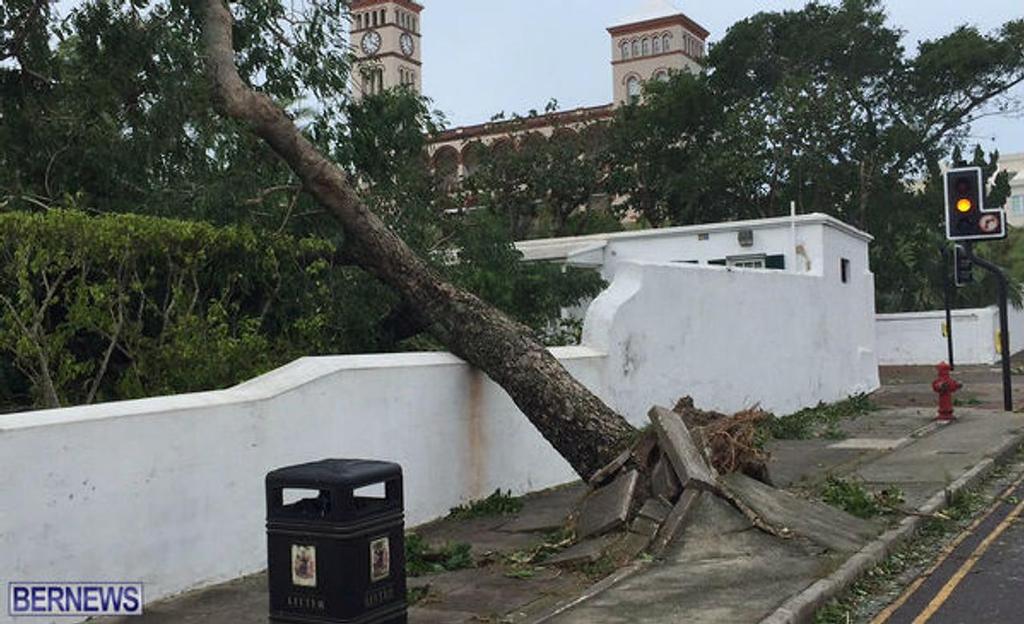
column 886, row 613
column 958, row 577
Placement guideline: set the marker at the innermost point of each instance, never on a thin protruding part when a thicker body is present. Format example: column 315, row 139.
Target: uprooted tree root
column 731, row 443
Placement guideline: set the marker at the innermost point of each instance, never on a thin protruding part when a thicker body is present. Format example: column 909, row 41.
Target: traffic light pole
column 1004, row 321
column 948, row 296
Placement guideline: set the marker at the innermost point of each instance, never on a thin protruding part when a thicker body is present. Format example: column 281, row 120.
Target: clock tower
column 386, row 39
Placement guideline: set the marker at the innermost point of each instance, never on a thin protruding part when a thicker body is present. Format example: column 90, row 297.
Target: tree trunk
column 580, row 426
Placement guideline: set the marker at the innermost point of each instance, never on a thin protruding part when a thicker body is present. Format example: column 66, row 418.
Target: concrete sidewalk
column 722, row 570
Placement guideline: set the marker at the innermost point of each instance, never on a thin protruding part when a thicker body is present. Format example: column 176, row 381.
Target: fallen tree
column 585, row 431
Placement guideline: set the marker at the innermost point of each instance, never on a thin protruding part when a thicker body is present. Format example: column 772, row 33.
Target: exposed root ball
column 730, row 442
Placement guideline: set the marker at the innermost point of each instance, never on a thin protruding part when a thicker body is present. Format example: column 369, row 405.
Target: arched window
column 625, row 49
column 633, row 89
column 636, row 48
column 665, row 47
column 645, row 47
column 656, row 45
column 661, row 75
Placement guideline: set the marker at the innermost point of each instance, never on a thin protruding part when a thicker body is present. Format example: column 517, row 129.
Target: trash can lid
column 351, row 472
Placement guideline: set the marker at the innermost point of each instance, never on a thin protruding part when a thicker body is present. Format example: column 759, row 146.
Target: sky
column 485, row 56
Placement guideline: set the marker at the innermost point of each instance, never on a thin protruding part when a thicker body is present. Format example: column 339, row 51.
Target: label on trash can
column 303, row 565
column 380, row 559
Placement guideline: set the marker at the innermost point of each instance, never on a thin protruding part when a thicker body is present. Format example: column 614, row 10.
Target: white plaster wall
column 169, row 491
column 916, row 338
column 732, row 338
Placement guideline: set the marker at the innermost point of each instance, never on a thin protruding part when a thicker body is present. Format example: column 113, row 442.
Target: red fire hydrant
column 945, row 386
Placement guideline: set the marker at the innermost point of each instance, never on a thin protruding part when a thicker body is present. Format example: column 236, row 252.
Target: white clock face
column 371, row 42
column 407, row 43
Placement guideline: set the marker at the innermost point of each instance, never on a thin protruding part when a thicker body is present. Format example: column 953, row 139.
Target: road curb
column 801, row 608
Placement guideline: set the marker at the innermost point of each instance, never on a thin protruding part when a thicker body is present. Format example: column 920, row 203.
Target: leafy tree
column 108, row 106
column 96, row 308
column 656, row 156
column 543, row 186
column 842, row 122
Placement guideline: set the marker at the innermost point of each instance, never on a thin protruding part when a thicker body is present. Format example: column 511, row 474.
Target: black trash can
column 336, row 555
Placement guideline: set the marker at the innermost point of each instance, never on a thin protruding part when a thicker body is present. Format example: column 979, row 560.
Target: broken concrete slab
column 546, row 511
column 656, row 509
column 664, row 482
column 603, row 475
column 628, row 548
column 676, row 442
column 644, row 526
column 587, row 551
column 675, row 521
column 786, row 513
column 607, row 508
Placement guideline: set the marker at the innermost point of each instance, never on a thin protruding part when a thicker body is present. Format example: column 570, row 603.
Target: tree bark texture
column 586, row 432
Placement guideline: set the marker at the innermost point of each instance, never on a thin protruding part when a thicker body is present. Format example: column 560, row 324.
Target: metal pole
column 1004, row 323
column 947, row 294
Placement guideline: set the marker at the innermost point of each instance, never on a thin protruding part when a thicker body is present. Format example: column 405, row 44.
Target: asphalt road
column 980, row 580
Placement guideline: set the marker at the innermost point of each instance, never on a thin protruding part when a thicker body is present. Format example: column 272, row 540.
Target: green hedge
column 96, row 308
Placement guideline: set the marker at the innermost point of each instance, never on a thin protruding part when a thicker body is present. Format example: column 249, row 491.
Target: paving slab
column 547, row 513
column 606, row 508
column 814, row 520
column 586, row 551
column 719, row 570
column 677, row 443
column 949, row 451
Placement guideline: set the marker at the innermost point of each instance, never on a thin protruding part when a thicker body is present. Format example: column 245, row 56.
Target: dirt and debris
column 733, row 443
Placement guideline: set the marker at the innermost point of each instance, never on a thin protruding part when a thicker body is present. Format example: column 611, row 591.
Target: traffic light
column 966, row 217
column 964, row 268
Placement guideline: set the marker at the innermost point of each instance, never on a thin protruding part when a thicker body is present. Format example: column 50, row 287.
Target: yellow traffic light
column 964, row 205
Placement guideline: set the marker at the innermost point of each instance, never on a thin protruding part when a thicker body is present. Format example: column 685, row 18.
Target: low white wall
column 169, row 491
column 916, row 338
column 732, row 338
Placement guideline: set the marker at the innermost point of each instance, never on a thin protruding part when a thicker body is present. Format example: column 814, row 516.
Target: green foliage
column 123, row 306
column 421, row 559
column 820, row 421
column 843, row 123
column 853, row 498
column 111, row 104
column 415, row 595
column 532, row 292
column 497, row 504
column 543, row 187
